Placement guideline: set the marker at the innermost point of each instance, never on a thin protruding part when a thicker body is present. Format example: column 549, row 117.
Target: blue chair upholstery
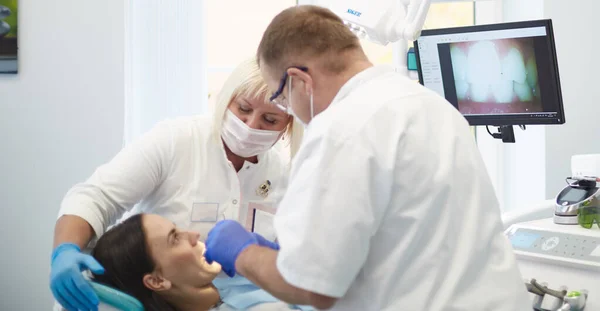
column 115, row 300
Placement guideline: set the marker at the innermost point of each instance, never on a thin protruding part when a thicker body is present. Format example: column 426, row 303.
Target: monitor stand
column 506, row 133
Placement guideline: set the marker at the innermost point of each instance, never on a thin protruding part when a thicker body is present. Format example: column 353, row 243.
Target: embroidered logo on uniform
column 263, row 189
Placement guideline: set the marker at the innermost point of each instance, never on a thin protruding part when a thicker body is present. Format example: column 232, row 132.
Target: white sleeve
column 115, row 187
column 327, row 217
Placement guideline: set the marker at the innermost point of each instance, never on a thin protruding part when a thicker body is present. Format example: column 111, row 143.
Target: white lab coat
column 390, row 207
column 177, row 170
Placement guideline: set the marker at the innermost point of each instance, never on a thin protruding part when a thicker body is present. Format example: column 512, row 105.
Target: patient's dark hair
column 124, row 254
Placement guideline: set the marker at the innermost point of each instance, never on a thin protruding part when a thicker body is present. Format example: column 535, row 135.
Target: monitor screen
column 500, row 74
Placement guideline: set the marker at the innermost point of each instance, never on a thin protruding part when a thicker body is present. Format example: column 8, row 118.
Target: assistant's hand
column 225, row 242
column 68, row 285
column 264, row 242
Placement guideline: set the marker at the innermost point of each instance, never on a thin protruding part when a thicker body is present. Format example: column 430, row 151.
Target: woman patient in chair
column 147, row 257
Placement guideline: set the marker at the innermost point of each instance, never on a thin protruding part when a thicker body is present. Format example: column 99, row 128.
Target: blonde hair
column 246, row 81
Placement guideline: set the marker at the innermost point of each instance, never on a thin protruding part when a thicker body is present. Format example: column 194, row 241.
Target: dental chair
column 112, row 299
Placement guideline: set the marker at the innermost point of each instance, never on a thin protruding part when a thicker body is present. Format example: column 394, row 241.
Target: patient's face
column 178, row 255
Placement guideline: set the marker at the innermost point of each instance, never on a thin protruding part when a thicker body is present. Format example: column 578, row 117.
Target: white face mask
column 243, row 140
column 290, row 111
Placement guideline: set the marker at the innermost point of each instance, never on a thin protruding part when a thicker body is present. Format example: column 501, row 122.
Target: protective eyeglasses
column 587, row 215
column 281, row 102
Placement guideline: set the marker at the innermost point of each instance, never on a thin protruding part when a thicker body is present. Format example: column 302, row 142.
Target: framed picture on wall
column 8, row 37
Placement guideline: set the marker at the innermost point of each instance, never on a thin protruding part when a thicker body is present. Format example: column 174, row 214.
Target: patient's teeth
column 513, row 66
column 532, row 74
column 480, row 92
column 461, row 89
column 483, row 64
column 503, row 91
column 483, row 69
column 523, row 92
column 459, row 63
column 487, row 75
column 459, row 69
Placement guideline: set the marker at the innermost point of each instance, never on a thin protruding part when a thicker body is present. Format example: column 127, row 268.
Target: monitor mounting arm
column 505, row 132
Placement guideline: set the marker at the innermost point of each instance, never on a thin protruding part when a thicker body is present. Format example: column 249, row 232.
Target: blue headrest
column 115, row 298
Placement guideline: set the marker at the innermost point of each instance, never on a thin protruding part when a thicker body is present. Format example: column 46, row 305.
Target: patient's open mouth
column 214, row 265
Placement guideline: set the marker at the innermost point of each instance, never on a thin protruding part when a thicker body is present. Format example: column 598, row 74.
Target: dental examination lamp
column 383, row 21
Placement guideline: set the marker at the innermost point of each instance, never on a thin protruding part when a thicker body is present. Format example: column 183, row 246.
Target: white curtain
column 164, row 62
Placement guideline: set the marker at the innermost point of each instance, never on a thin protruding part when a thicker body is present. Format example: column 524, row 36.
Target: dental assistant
column 389, row 204
column 193, row 171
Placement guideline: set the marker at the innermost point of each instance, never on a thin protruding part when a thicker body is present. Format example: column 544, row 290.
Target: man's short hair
column 306, row 31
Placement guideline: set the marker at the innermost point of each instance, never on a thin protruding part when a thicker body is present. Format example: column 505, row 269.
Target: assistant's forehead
column 262, row 106
column 251, row 100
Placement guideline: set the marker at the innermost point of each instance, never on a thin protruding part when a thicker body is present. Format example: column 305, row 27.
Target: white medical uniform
column 178, row 170
column 390, row 206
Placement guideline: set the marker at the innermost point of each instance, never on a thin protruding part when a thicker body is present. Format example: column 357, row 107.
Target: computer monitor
column 499, row 74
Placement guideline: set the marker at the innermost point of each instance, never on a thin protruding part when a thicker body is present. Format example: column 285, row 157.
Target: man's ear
column 156, row 283
column 304, row 78
column 308, row 89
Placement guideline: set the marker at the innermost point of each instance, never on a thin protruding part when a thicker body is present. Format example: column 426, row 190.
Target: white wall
column 576, row 29
column 524, row 161
column 519, row 10
column 512, row 165
column 534, row 168
column 60, row 117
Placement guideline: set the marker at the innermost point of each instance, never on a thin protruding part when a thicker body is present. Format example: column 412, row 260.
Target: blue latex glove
column 68, row 285
column 264, row 242
column 225, row 242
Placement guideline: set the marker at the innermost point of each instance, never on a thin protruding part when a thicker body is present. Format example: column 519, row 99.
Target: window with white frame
column 440, row 15
column 233, row 35
column 172, row 67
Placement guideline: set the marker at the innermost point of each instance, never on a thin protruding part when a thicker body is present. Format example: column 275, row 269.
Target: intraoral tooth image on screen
column 496, row 76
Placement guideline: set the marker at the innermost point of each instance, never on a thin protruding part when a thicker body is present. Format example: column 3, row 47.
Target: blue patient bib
column 239, row 293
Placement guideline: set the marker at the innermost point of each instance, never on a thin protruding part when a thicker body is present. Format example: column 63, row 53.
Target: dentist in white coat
column 389, row 205
column 193, row 171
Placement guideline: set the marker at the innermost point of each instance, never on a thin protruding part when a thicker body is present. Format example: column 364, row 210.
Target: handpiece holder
column 559, row 300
